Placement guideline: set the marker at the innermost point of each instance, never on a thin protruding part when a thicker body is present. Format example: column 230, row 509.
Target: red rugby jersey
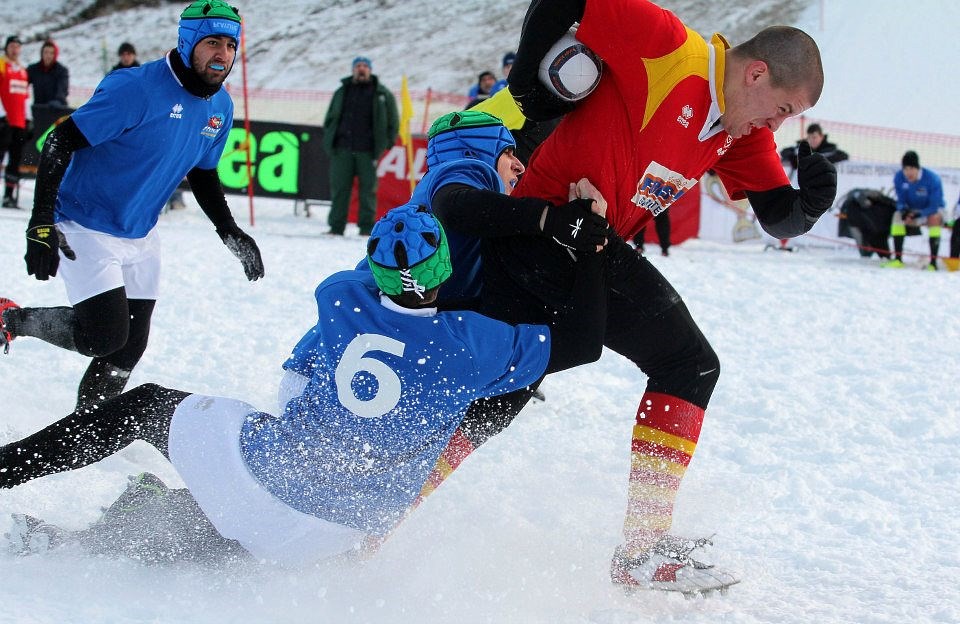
column 644, row 138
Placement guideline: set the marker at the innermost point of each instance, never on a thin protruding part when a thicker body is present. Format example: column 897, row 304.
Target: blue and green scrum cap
column 408, row 251
column 468, row 134
column 206, row 18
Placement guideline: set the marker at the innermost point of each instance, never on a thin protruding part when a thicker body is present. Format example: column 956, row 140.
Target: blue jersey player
column 373, row 395
column 103, row 178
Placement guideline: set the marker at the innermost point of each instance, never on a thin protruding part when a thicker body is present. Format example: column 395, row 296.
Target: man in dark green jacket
column 360, row 126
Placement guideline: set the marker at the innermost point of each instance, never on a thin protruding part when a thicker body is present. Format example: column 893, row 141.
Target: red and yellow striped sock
column 458, row 448
column 664, row 439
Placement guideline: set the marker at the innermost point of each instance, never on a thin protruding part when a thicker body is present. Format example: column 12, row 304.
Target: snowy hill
column 894, row 77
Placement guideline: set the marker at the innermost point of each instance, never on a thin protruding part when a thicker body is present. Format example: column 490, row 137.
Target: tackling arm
column 545, row 22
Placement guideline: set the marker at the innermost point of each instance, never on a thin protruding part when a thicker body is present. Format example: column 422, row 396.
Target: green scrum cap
column 408, row 251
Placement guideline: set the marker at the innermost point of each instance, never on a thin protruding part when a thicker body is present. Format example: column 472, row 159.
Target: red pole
column 426, row 111
column 246, row 122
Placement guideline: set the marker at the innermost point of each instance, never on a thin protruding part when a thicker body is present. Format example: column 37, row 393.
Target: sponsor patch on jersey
column 659, row 187
column 214, row 124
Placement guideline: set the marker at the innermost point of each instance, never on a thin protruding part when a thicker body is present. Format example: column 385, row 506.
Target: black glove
column 817, row 179
column 910, row 215
column 244, row 248
column 44, row 243
column 574, row 226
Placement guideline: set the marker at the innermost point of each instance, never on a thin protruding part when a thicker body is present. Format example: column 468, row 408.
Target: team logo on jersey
column 726, row 145
column 214, row 124
column 659, row 187
column 684, row 117
column 177, row 111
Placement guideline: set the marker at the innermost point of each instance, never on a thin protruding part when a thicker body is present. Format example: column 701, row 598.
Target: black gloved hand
column 910, row 215
column 574, row 226
column 817, row 179
column 244, row 248
column 44, row 244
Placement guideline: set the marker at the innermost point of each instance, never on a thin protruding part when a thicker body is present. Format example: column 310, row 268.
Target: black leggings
column 80, row 439
column 107, row 326
column 111, row 327
column 526, row 280
column 12, row 141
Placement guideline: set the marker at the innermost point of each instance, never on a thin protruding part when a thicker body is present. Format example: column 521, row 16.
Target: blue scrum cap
column 206, row 18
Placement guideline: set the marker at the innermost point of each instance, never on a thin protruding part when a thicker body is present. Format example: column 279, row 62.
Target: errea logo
column 684, row 117
column 177, row 111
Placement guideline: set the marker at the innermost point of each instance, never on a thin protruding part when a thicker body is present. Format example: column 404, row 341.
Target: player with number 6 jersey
column 372, row 395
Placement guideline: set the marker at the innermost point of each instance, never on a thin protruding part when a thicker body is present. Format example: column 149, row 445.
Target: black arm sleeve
column 544, row 23
column 58, row 149
column 206, row 187
column 782, row 212
column 577, row 335
column 483, row 213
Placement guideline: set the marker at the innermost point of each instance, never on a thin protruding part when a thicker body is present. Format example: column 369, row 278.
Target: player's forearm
column 544, row 23
column 483, row 213
column 206, row 187
column 58, row 149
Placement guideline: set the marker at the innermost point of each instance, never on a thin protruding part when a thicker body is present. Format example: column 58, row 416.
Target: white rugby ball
column 570, row 69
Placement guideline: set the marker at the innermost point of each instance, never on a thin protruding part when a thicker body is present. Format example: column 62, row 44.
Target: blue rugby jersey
column 145, row 132
column 386, row 392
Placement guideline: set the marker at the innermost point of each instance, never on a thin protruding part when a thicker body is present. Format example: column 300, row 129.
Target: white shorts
column 205, row 449
column 105, row 262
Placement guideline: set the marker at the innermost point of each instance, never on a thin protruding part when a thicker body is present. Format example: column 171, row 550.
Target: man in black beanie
column 127, row 55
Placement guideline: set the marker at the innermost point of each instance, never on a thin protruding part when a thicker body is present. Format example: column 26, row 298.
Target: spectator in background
column 361, row 125
column 818, row 143
column 13, row 125
column 483, row 89
column 919, row 202
column 50, row 78
column 508, row 59
column 128, row 57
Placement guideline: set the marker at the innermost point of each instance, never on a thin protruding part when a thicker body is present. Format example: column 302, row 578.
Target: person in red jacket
column 13, row 126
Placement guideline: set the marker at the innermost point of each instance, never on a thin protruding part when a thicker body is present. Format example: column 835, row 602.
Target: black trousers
column 12, row 141
column 527, row 280
column 85, row 437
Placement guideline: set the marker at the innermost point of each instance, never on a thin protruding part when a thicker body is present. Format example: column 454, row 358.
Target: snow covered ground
column 827, row 464
column 828, row 461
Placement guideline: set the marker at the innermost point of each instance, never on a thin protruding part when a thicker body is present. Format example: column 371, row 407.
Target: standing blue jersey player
column 382, row 382
column 104, row 176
